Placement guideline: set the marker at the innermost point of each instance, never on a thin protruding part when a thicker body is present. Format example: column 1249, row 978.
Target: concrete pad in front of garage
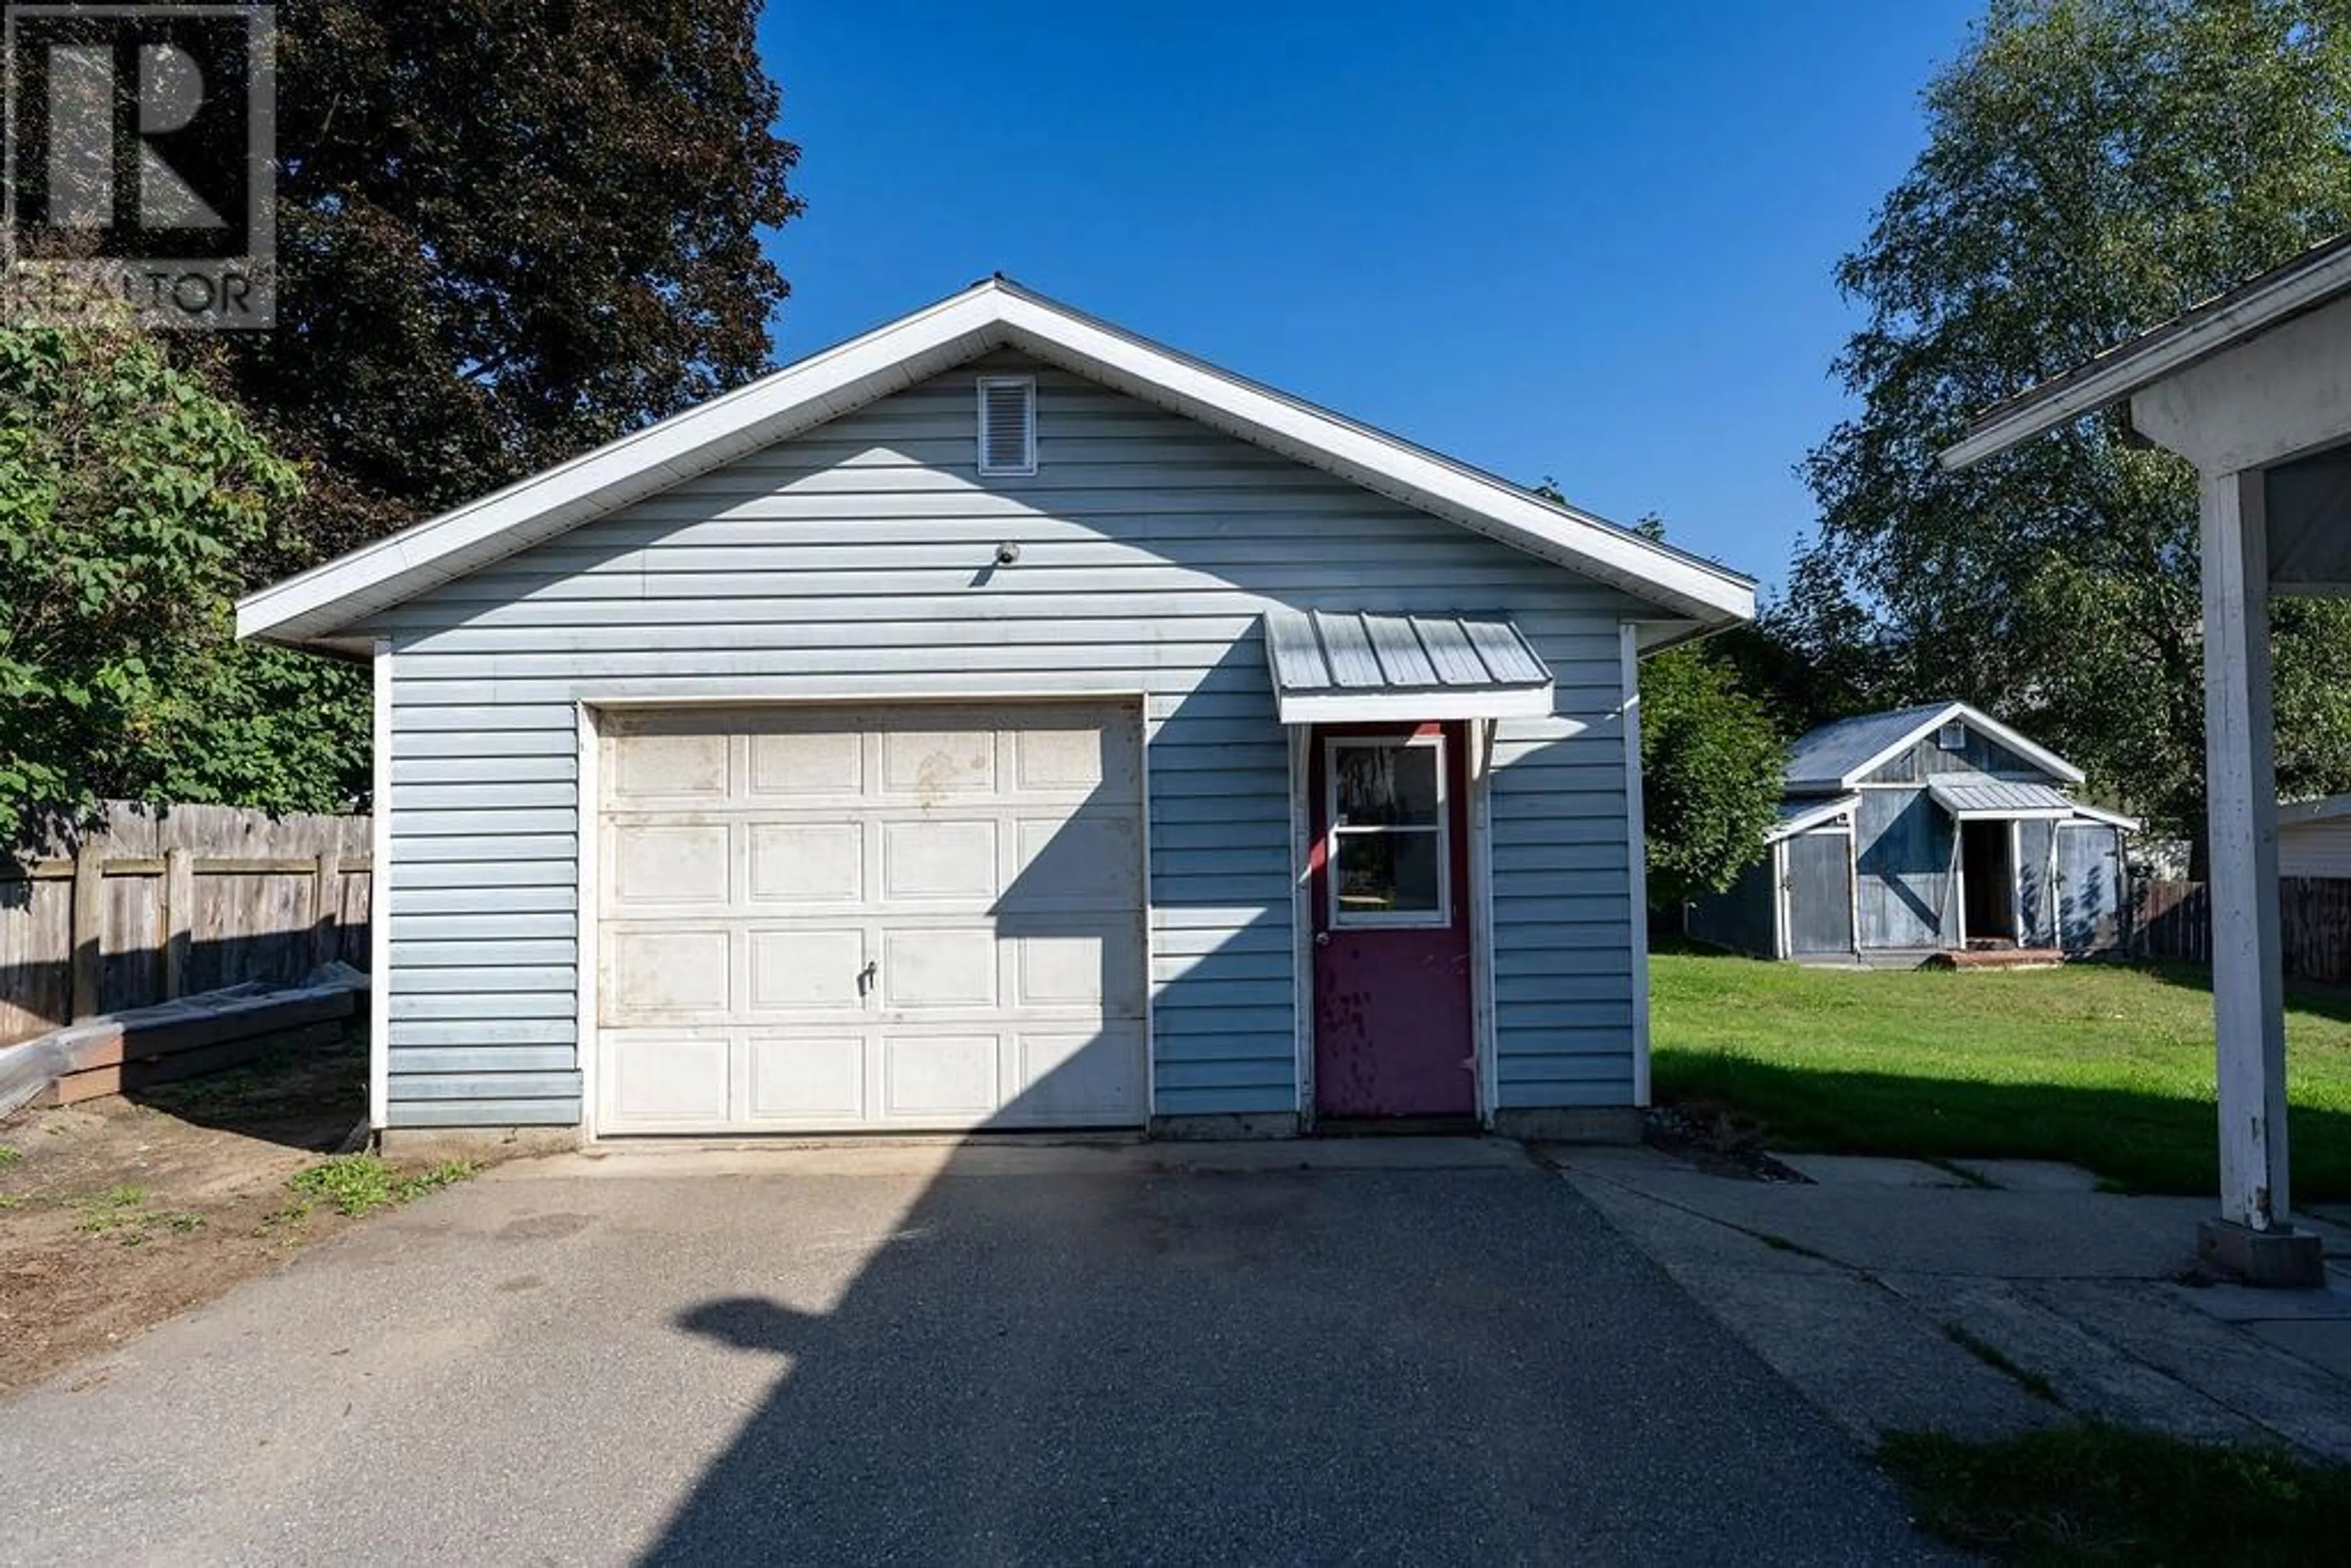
column 1115, row 1361
column 1015, row 1155
column 1867, row 1170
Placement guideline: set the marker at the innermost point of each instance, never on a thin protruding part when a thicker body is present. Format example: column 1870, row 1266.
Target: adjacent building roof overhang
column 316, row 606
column 1336, row 668
column 2303, row 283
column 2326, row 809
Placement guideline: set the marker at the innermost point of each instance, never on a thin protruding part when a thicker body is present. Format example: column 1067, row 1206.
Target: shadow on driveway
column 1277, row 1366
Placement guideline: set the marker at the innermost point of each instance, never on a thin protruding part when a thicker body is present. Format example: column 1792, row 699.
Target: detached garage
column 1002, row 722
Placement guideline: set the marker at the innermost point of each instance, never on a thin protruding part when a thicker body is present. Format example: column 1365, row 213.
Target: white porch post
column 2248, row 990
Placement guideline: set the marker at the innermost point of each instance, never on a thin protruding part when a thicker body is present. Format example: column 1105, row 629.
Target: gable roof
column 2246, row 311
column 312, row 607
column 1838, row 755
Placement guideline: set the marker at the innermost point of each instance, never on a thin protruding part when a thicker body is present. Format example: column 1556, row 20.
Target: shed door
column 1819, row 883
column 2089, row 886
column 916, row 918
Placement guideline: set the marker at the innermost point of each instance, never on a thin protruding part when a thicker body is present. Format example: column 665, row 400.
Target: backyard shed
column 1000, row 721
column 1925, row 830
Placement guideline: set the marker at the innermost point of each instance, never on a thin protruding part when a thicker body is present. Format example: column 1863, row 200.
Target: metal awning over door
column 1336, row 667
column 1969, row 797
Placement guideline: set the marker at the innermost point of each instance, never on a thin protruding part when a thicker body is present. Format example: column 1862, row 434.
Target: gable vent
column 1008, row 424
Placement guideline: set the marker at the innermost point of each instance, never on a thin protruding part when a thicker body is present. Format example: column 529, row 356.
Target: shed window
column 1952, row 736
column 1008, row 424
column 1390, row 842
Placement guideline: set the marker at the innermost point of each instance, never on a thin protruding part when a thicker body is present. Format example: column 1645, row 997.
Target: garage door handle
column 865, row 976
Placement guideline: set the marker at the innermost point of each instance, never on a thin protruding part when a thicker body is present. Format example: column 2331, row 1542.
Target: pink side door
column 1390, row 884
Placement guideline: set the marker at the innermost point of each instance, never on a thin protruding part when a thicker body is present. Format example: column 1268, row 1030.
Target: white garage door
column 914, row 917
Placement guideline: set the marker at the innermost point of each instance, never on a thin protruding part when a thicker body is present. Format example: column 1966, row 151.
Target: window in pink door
column 1390, row 882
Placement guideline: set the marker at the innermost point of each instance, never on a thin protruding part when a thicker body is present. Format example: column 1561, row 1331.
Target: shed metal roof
column 1828, row 756
column 1835, row 756
column 1339, row 665
column 1977, row 795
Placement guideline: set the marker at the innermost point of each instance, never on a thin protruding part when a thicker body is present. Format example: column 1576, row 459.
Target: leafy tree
column 2093, row 167
column 131, row 498
column 1711, row 762
column 1712, row 759
column 507, row 230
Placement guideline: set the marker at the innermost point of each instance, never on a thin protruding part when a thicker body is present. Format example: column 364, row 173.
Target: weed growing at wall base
column 361, row 1184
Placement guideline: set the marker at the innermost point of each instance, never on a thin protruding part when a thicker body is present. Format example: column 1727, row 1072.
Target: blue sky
column 1585, row 239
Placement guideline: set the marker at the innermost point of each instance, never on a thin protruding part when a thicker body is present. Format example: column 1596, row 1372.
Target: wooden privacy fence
column 152, row 905
column 2174, row 920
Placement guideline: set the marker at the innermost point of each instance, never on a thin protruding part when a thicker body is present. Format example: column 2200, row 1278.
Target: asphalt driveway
column 951, row 1356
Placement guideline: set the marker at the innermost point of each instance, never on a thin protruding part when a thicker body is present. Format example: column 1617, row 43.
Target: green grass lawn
column 2098, row 1494
column 2107, row 1066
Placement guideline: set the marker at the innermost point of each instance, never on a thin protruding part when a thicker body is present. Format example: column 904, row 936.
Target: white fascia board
column 310, row 607
column 2040, row 757
column 2109, row 818
column 2301, row 285
column 1423, row 705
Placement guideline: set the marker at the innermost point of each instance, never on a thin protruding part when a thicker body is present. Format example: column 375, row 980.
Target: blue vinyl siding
column 854, row 561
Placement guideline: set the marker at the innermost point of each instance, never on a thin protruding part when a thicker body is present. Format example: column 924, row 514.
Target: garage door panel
column 1097, row 971
column 937, row 859
column 804, row 968
column 805, row 862
column 667, row 864
column 937, row 922
column 665, row 970
column 1079, row 1076
column 800, row 1077
column 950, row 1079
column 1094, row 859
column 1079, row 759
column 802, row 766
column 671, row 767
column 665, row 1081
column 933, row 764
column 925, row 967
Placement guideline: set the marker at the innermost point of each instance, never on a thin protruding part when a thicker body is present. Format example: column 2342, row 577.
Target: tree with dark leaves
column 507, row 231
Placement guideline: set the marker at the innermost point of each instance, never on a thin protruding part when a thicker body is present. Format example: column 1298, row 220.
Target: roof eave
column 2302, row 284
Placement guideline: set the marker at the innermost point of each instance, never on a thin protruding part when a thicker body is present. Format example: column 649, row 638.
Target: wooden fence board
column 187, row 899
column 2174, row 920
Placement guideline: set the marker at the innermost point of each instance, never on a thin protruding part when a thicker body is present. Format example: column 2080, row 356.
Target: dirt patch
column 1716, row 1139
column 117, row 1214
